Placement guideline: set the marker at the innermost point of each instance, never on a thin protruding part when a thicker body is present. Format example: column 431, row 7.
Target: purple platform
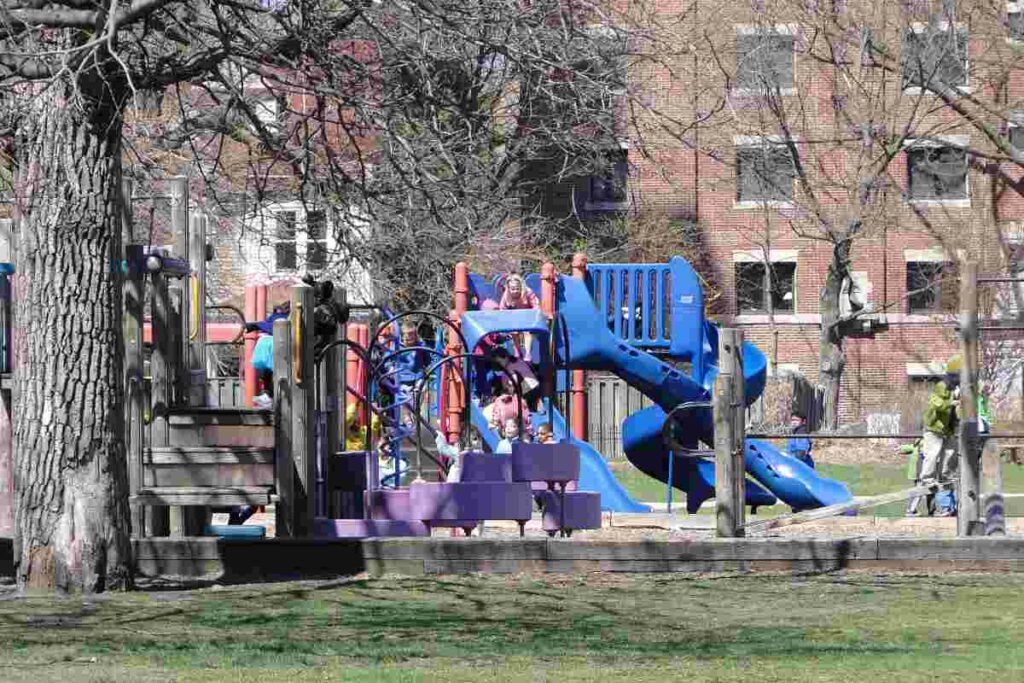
column 582, row 511
column 478, row 466
column 557, row 463
column 475, row 500
column 391, row 504
column 367, row 528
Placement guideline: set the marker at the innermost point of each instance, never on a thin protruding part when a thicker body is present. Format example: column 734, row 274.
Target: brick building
column 801, row 117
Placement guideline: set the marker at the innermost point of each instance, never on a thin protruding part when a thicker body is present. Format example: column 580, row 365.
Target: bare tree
column 422, row 127
column 851, row 120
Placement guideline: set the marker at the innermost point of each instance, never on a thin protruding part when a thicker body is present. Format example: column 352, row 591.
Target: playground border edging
column 277, row 559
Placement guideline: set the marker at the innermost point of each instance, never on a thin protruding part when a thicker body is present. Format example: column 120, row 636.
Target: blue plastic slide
column 592, row 346
column 594, row 472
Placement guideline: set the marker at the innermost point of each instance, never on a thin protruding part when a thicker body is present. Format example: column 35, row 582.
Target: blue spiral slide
column 592, row 346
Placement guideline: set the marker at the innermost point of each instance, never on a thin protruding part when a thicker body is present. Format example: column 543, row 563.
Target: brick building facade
column 839, row 84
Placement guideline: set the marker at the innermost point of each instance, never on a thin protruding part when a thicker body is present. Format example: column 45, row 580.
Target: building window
column 608, row 191
column 764, row 61
column 1015, row 20
column 1015, row 132
column 937, row 172
column 934, row 59
column 764, row 172
column 316, row 240
column 762, row 287
column 931, row 287
column 285, row 245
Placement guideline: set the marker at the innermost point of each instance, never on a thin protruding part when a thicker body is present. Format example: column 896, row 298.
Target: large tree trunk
column 831, row 356
column 71, row 504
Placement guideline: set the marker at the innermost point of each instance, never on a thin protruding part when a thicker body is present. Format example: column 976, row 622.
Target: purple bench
column 551, row 463
column 464, row 504
column 477, row 466
column 582, row 510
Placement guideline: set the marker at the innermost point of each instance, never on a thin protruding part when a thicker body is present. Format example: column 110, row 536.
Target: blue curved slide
column 594, row 472
column 592, row 346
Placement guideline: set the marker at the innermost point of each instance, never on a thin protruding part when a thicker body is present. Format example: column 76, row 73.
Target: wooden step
column 205, row 496
column 188, row 417
column 208, row 455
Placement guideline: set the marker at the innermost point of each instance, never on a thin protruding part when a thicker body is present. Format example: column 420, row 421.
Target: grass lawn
column 867, row 479
column 511, row 628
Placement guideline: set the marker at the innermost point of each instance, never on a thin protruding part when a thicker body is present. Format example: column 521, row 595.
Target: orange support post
column 579, row 377
column 548, row 278
column 455, row 399
column 248, row 375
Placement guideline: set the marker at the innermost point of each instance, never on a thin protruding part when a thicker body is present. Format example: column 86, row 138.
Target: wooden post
column 993, row 505
column 969, row 499
column 162, row 389
column 579, row 377
column 196, row 311
column 729, row 431
column 303, row 407
column 284, row 460
column 133, row 368
column 333, row 407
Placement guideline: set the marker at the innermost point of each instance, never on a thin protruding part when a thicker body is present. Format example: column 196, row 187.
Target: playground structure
column 643, row 322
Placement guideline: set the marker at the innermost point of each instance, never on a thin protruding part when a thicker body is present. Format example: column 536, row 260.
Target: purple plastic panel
column 347, row 470
column 391, row 504
column 582, row 510
column 478, row 466
column 471, row 500
column 367, row 528
column 546, row 462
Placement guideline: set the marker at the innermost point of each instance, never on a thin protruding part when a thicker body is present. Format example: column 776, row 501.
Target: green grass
column 499, row 628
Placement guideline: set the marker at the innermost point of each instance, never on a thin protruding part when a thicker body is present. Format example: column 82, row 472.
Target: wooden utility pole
column 303, row 407
column 196, row 296
column 284, row 460
column 969, row 503
column 332, row 407
column 728, row 406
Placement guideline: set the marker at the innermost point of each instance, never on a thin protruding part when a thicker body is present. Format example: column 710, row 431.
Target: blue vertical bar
column 659, row 306
column 645, row 311
column 617, row 302
column 631, row 305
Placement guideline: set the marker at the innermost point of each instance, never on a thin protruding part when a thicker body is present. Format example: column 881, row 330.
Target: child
column 506, row 407
column 519, row 368
column 510, row 434
column 263, row 354
column 799, row 447
column 544, row 434
column 914, row 461
column 517, row 297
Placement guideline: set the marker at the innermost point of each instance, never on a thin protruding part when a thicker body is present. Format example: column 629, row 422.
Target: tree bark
column 831, row 355
column 71, row 502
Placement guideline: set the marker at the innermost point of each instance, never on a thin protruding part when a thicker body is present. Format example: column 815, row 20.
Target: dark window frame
column 752, row 45
column 761, row 188
column 765, row 283
column 924, row 73
column 926, row 181
column 286, row 251
column 931, row 287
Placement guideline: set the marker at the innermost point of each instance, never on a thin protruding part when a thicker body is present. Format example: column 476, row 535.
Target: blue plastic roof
column 478, row 324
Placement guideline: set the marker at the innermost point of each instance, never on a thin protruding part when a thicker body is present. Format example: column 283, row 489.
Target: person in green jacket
column 938, row 446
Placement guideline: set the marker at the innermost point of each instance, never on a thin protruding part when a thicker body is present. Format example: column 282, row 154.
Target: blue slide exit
column 592, row 346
